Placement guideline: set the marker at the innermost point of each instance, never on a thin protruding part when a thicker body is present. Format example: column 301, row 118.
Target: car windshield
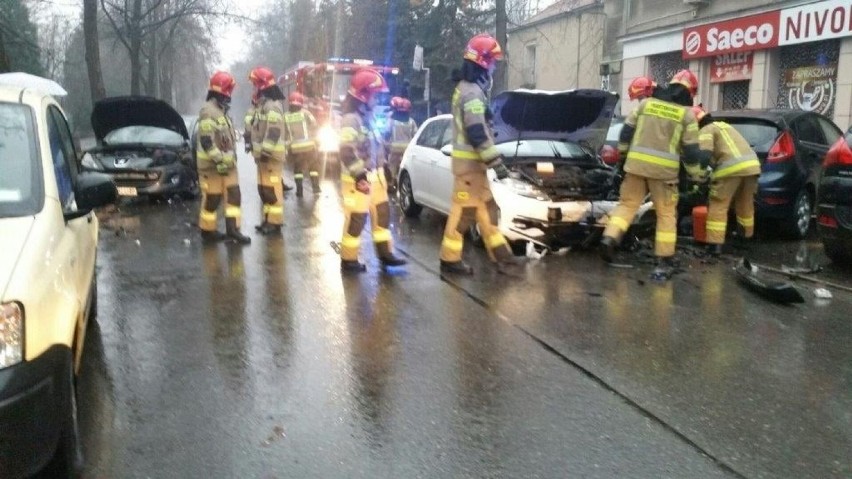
column 143, row 134
column 540, row 149
column 19, row 168
column 759, row 134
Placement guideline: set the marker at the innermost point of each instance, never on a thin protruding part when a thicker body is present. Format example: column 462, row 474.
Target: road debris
column 777, row 291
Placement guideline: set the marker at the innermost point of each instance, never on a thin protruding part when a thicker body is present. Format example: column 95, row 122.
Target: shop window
column 735, row 95
column 808, row 79
column 663, row 67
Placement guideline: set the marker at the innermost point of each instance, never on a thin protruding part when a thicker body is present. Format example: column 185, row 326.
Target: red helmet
column 222, row 82
column 406, row 105
column 296, row 99
column 262, row 78
column 365, row 83
column 698, row 112
column 397, row 103
column 483, row 50
column 641, row 87
column 687, row 79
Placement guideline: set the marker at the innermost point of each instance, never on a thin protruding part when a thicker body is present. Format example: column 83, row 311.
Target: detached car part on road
column 48, row 289
column 559, row 192
column 143, row 143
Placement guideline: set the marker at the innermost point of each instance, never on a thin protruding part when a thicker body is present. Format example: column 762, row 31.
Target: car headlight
column 327, row 139
column 90, row 163
column 11, row 334
column 523, row 188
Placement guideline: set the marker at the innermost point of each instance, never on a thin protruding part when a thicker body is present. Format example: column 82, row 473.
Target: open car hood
column 118, row 112
column 582, row 116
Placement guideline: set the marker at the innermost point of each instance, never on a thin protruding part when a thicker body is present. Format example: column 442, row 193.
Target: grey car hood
column 118, row 112
column 581, row 116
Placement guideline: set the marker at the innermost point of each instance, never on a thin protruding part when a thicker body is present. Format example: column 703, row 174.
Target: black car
column 834, row 207
column 143, row 143
column 790, row 145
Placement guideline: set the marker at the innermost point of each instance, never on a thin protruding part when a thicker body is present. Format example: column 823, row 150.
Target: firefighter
column 401, row 131
column 656, row 136
column 300, row 132
column 217, row 163
column 734, row 178
column 473, row 154
column 363, row 182
column 641, row 88
column 267, row 137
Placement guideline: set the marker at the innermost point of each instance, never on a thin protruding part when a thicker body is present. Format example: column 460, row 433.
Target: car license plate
column 126, row 191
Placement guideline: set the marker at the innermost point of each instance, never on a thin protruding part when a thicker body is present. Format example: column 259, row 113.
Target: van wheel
column 67, row 460
column 410, row 208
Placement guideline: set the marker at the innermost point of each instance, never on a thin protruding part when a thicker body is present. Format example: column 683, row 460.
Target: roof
column 561, row 7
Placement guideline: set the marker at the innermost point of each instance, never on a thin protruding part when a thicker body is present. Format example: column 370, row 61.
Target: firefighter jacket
column 661, row 133
column 358, row 151
column 216, row 137
column 473, row 142
column 400, row 134
column 301, row 129
column 267, row 131
column 731, row 155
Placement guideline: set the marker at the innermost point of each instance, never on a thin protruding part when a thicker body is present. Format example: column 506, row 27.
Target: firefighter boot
column 386, row 256
column 607, row 248
column 284, row 186
column 352, row 266
column 212, row 236
column 299, row 188
column 665, row 269
column 456, row 267
column 714, row 250
column 315, row 185
column 233, row 232
column 269, row 229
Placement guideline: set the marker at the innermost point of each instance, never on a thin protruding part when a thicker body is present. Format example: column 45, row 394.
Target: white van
column 48, row 244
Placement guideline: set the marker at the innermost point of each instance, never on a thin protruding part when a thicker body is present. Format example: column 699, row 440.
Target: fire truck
column 324, row 86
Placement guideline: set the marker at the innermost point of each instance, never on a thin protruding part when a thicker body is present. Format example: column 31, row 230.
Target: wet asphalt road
column 263, row 361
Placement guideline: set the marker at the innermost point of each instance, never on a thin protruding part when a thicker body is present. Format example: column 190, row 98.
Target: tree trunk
column 93, row 54
column 135, row 39
column 4, row 59
column 500, row 74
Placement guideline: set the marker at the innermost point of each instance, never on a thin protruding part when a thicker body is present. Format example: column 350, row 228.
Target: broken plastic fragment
column 822, row 293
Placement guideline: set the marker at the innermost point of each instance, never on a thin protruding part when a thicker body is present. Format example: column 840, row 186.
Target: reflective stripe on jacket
column 216, row 136
column 401, row 134
column 356, row 147
column 267, row 131
column 301, row 130
column 470, row 108
column 662, row 128
column 731, row 153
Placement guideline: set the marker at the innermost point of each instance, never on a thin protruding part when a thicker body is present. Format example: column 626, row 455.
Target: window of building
column 808, row 79
column 529, row 66
column 663, row 67
column 735, row 95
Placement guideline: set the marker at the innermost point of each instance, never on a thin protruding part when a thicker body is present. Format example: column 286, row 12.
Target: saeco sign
column 754, row 32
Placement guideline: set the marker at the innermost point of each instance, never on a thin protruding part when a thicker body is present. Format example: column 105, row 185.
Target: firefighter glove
column 222, row 168
column 501, row 171
column 697, row 173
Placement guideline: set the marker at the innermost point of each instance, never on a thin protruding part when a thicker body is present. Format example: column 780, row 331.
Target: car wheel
column 67, row 460
column 194, row 189
column 410, row 208
column 798, row 225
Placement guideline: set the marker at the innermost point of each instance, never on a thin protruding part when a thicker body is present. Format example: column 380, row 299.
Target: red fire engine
column 324, row 87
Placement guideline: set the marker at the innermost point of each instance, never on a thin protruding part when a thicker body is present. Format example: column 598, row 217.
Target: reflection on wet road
column 263, row 361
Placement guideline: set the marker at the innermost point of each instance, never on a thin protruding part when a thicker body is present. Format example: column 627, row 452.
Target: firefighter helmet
column 687, row 79
column 641, row 87
column 483, row 50
column 222, row 82
column 296, row 99
column 365, row 83
column 262, row 78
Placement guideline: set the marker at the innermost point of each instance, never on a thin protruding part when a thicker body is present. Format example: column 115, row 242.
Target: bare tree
column 93, row 53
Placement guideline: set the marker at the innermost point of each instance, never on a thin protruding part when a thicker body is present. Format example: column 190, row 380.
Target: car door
column 424, row 152
column 812, row 145
column 442, row 170
column 78, row 242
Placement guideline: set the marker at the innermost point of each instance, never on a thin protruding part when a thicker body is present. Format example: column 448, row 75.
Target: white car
column 559, row 192
column 47, row 282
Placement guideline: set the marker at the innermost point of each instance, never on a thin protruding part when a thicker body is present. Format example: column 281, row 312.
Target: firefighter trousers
column 271, row 191
column 472, row 203
column 664, row 195
column 356, row 207
column 306, row 162
column 215, row 188
column 737, row 189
